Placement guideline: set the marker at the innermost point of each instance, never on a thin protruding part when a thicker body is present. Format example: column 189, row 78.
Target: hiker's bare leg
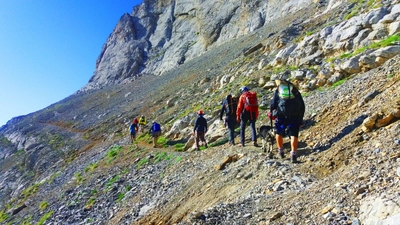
column 294, row 142
column 279, row 141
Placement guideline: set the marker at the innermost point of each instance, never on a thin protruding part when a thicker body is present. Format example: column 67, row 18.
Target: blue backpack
column 156, row 127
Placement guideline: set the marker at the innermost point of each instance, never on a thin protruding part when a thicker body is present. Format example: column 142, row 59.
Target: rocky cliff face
column 73, row 162
column 159, row 36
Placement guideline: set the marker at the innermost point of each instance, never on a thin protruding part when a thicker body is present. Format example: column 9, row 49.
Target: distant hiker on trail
column 287, row 106
column 155, row 131
column 142, row 123
column 133, row 128
column 229, row 106
column 200, row 129
column 247, row 110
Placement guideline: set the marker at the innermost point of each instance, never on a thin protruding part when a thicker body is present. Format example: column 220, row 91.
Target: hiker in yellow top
column 142, row 123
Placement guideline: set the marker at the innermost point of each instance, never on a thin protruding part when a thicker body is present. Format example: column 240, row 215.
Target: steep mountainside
column 73, row 163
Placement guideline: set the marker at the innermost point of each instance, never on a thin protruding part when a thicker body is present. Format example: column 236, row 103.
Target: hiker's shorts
column 133, row 134
column 157, row 134
column 289, row 127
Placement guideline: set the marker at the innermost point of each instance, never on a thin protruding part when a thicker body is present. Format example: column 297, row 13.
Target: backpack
column 132, row 128
column 251, row 104
column 231, row 106
column 288, row 104
column 156, row 127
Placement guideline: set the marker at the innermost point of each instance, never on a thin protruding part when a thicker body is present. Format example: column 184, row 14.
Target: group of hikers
column 287, row 109
column 138, row 125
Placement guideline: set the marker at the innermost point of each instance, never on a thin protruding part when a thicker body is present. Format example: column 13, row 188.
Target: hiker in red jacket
column 247, row 110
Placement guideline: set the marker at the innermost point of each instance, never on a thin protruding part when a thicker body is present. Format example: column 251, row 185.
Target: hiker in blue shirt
column 155, row 131
column 200, row 129
column 133, row 128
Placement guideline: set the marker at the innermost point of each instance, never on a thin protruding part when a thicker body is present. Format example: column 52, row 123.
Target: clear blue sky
column 48, row 49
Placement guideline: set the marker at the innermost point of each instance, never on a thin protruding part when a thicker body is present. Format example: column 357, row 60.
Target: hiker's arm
column 303, row 107
column 222, row 111
column 239, row 108
column 274, row 101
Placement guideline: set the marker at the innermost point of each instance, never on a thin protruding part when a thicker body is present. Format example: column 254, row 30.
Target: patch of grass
column 218, row 143
column 54, row 176
column 43, row 219
column 3, row 216
column 90, row 167
column 113, row 153
column 113, row 180
column 56, row 141
column 43, row 205
column 338, row 83
column 142, row 162
column 120, row 196
column 78, row 177
column 145, row 137
column 90, row 202
column 162, row 141
column 30, row 190
column 178, row 159
column 179, row 147
column 346, row 55
column 27, row 221
column 162, row 156
column 380, row 44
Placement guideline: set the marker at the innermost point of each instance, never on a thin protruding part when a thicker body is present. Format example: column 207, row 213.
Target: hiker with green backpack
column 287, row 109
column 229, row 107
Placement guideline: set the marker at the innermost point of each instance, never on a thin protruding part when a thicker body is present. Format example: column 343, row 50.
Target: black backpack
column 289, row 104
column 231, row 106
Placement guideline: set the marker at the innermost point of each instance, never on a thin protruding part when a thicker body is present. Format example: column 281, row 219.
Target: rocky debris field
column 345, row 175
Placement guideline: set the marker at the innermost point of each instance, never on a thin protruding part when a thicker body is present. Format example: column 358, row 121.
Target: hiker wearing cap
column 229, row 107
column 155, row 131
column 200, row 129
column 247, row 110
column 287, row 109
column 133, row 128
column 142, row 123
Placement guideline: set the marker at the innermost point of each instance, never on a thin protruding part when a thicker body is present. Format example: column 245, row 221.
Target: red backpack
column 251, row 104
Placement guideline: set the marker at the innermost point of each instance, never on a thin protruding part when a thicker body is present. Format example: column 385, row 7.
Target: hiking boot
column 281, row 154
column 241, row 145
column 293, row 157
column 256, row 145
